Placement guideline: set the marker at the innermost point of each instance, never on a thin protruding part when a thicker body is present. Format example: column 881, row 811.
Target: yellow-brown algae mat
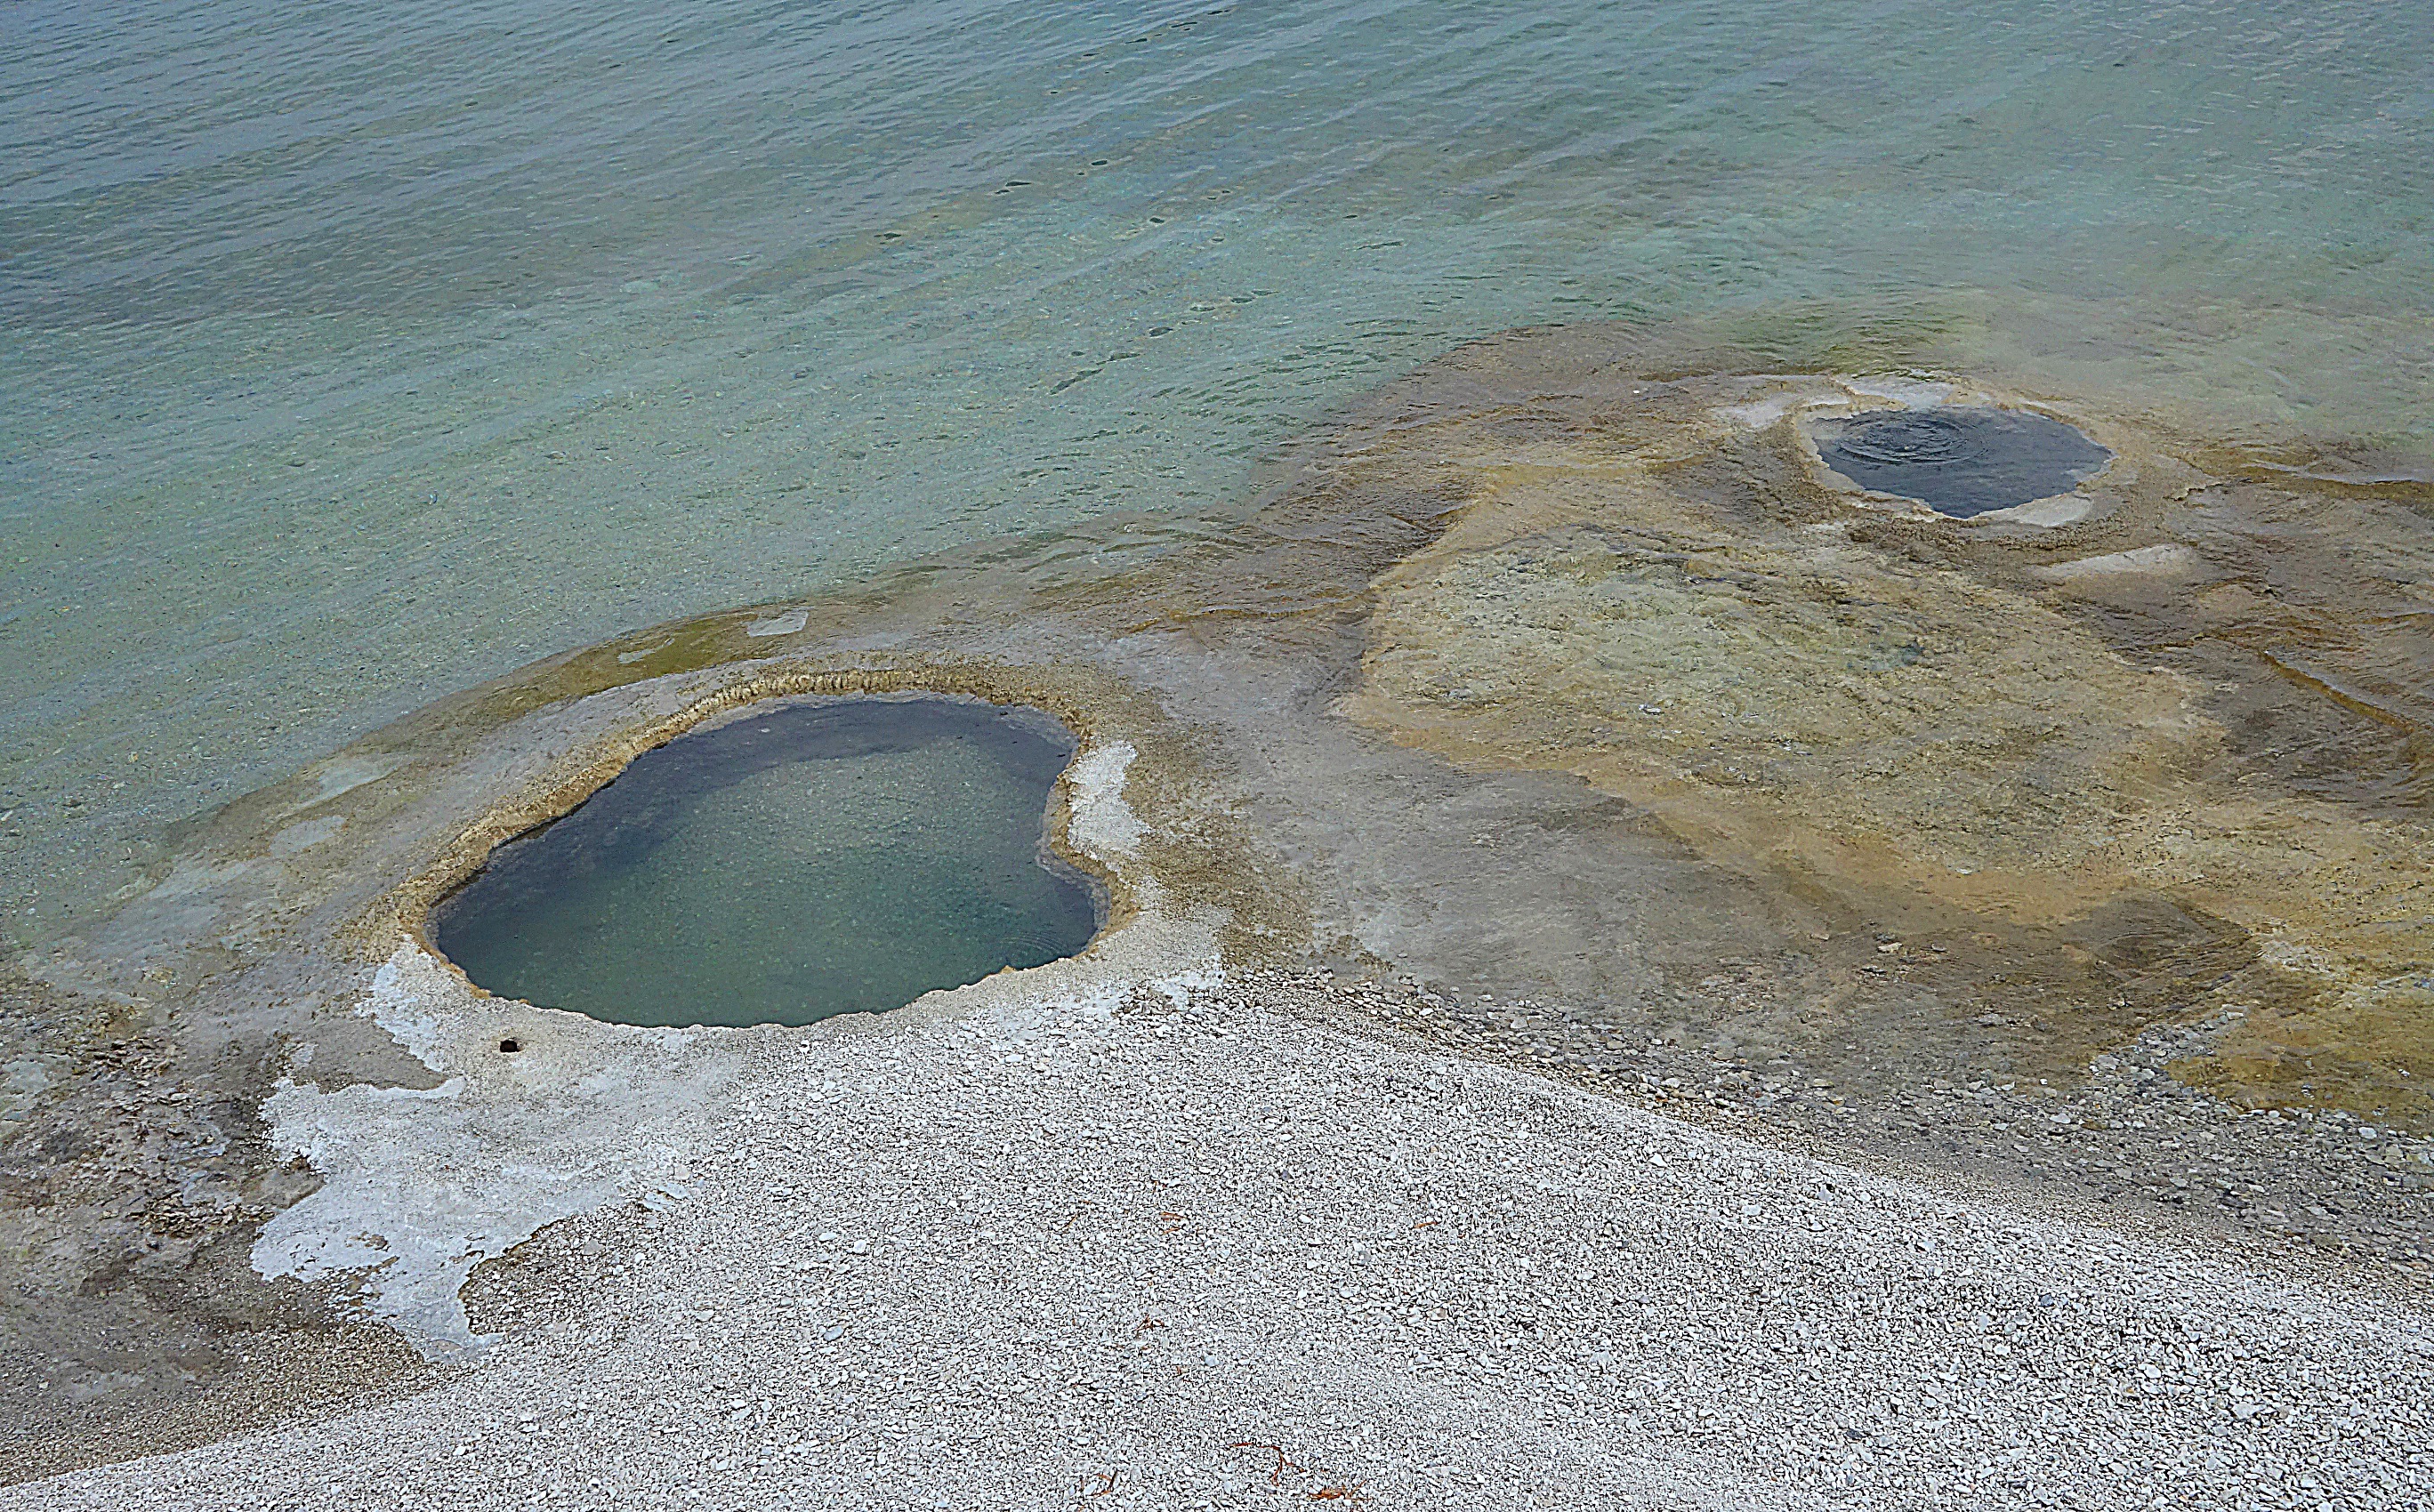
column 2067, row 862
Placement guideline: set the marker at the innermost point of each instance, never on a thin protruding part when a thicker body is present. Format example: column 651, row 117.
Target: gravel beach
column 1209, row 1250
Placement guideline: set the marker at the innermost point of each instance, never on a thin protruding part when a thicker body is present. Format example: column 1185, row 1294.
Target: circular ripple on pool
column 1959, row 461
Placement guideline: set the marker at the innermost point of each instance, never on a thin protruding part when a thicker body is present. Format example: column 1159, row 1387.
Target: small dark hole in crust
column 509, row 1047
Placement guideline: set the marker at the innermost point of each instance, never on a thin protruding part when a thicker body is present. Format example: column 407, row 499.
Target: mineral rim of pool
column 802, row 860
column 1959, row 461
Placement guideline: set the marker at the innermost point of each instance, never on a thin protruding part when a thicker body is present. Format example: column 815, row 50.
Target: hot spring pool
column 1960, row 460
column 802, row 860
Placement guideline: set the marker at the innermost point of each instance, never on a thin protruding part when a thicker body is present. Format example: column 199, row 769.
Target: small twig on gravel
column 1277, row 1476
column 1106, row 1480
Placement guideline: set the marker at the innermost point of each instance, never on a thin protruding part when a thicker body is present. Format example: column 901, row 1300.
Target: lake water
column 353, row 357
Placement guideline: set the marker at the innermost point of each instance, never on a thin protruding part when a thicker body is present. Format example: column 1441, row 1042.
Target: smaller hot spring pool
column 806, row 859
column 1959, row 461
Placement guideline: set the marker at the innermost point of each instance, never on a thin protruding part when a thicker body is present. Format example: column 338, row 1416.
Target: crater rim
column 510, row 820
column 1816, row 425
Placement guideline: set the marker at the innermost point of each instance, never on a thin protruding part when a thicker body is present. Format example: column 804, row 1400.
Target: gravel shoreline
column 2128, row 1133
column 1222, row 1254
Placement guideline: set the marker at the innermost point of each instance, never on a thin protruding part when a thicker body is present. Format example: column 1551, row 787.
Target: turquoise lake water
column 355, row 356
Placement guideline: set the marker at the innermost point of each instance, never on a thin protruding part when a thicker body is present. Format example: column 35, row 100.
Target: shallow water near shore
column 793, row 863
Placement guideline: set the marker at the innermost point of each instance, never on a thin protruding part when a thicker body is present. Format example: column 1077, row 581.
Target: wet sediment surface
column 793, row 863
column 1561, row 673
column 2156, row 1152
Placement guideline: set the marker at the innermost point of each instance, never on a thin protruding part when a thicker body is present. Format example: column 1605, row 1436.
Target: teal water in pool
column 355, row 356
column 805, row 861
